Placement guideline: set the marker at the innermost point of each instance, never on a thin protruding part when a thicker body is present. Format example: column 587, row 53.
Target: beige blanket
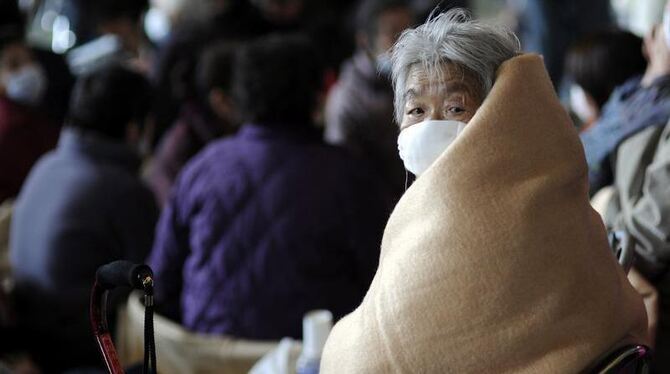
column 494, row 261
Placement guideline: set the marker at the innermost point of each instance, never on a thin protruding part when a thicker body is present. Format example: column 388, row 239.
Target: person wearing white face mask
column 487, row 261
column 83, row 202
column 22, row 79
column 434, row 101
column 26, row 132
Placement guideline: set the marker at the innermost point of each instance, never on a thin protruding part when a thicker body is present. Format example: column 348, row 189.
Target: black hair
column 369, row 11
column 215, row 67
column 603, row 60
column 276, row 80
column 108, row 99
column 111, row 10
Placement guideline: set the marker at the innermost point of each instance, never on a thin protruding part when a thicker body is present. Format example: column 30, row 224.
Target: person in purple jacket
column 271, row 223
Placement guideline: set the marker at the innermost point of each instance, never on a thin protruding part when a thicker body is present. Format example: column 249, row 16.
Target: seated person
column 271, row 223
column 201, row 121
column 493, row 261
column 83, row 206
column 26, row 132
column 640, row 205
column 596, row 65
column 359, row 109
column 639, row 103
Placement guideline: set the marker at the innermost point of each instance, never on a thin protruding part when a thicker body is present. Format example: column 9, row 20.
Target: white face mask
column 421, row 144
column 580, row 104
column 27, row 85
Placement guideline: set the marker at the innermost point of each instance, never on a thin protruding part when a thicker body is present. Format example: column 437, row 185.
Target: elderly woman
column 493, row 260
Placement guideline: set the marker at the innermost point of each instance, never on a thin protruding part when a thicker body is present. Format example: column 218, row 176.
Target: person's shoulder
column 211, row 155
column 206, row 166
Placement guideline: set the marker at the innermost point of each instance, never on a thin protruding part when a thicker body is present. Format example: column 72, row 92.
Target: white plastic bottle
column 316, row 326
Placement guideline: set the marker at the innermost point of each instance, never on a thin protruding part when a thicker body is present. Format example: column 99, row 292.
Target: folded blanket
column 494, row 261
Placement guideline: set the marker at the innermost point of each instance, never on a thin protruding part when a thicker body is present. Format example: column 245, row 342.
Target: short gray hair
column 451, row 37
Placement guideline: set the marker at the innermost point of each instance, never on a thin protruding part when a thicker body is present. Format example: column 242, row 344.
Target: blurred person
column 640, row 203
column 213, row 115
column 359, row 109
column 596, row 65
column 640, row 102
column 119, row 36
column 174, row 70
column 25, row 17
column 26, row 131
column 493, row 260
column 122, row 18
column 167, row 16
column 550, row 27
column 271, row 223
column 83, row 205
column 325, row 21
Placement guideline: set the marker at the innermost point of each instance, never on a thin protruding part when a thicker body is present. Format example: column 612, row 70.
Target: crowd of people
column 397, row 159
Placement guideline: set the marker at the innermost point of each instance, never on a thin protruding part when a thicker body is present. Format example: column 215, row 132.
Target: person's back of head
column 22, row 79
column 214, row 76
column 276, row 80
column 601, row 61
column 109, row 100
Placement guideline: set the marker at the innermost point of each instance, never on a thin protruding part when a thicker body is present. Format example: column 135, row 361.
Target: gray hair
column 451, row 37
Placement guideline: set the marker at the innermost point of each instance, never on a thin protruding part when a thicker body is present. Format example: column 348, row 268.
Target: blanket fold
column 494, row 260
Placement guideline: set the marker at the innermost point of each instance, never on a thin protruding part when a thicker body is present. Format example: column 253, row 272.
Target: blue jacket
column 263, row 227
column 82, row 206
column 630, row 109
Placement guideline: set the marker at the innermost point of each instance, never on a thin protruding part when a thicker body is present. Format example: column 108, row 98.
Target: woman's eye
column 456, row 110
column 415, row 112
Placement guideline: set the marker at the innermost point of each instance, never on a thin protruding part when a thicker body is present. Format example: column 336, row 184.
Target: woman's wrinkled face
column 454, row 96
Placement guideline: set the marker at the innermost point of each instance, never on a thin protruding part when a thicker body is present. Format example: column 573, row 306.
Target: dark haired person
column 268, row 224
column 110, row 30
column 83, row 205
column 359, row 110
column 596, row 65
column 194, row 25
column 641, row 102
column 26, row 131
column 203, row 119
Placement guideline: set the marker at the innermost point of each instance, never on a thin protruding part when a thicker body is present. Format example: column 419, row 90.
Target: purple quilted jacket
column 263, row 227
